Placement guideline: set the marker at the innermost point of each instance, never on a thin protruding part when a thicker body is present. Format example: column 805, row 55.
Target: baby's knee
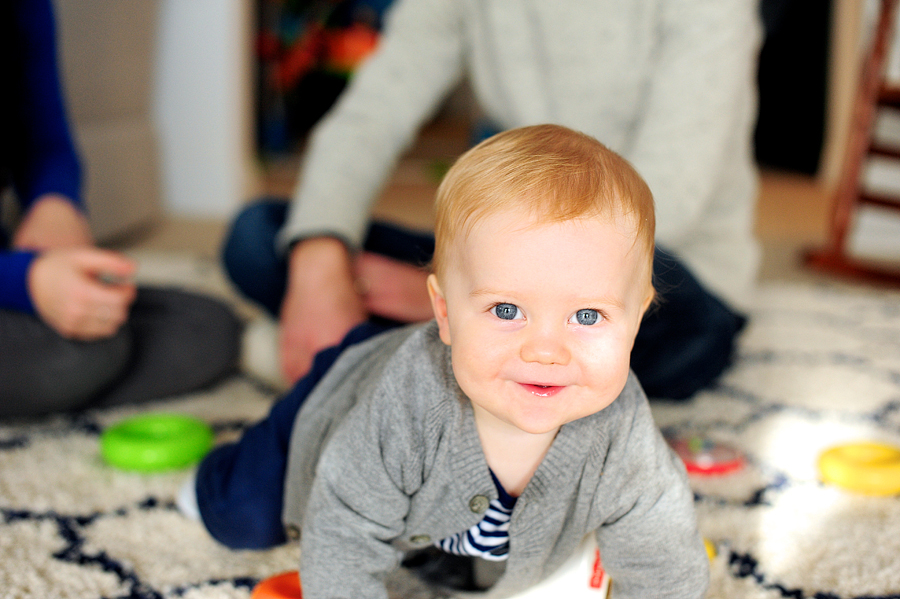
column 241, row 512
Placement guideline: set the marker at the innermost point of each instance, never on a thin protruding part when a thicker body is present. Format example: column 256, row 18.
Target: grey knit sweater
column 668, row 84
column 385, row 458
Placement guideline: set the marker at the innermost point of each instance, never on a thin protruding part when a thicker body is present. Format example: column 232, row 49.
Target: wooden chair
column 874, row 93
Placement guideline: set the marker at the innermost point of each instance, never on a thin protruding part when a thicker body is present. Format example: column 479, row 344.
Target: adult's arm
column 351, row 155
column 699, row 108
column 53, row 221
column 356, row 145
column 14, row 267
column 44, row 160
column 42, row 156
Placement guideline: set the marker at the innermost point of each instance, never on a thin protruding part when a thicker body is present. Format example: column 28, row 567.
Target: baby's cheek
column 464, row 366
column 609, row 365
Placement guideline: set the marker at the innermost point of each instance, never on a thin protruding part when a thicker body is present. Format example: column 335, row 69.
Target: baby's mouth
column 542, row 390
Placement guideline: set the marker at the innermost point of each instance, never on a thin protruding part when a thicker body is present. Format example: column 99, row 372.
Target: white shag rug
column 819, row 364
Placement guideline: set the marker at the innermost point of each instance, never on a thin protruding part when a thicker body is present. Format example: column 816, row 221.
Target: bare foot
column 393, row 289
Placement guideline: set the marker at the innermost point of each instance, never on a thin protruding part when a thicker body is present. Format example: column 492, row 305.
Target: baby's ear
column 439, row 306
column 648, row 301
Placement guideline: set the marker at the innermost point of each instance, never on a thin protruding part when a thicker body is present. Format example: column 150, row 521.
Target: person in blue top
column 75, row 330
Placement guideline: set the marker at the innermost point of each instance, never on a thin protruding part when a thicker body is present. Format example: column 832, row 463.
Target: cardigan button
column 292, row 532
column 420, row 539
column 479, row 504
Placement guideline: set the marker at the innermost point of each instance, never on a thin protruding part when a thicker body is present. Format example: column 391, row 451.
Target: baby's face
column 541, row 318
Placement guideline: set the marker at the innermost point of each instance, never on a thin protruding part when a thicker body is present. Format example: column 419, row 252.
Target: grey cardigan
column 385, row 458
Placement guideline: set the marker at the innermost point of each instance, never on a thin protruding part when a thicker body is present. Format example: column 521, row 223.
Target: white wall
column 202, row 106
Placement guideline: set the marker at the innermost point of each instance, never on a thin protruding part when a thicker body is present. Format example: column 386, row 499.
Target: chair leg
column 848, row 194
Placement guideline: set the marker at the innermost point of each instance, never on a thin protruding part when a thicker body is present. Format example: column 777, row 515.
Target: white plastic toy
column 580, row 577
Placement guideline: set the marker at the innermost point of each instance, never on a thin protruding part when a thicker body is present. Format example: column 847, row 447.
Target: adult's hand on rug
column 51, row 222
column 321, row 303
column 82, row 293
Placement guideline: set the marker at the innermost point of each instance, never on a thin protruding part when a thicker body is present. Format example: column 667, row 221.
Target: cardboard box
column 107, row 54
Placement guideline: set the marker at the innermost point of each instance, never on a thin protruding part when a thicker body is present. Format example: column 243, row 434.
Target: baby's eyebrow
column 491, row 292
column 484, row 291
column 603, row 302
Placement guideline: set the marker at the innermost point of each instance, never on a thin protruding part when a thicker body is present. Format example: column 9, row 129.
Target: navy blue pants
column 685, row 341
column 240, row 485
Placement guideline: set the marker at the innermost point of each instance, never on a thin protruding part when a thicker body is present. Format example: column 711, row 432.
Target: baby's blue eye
column 506, row 311
column 587, row 317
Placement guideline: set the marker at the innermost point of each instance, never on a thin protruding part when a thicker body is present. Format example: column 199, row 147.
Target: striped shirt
column 489, row 539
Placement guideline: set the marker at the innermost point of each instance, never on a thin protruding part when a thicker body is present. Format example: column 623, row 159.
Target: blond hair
column 547, row 171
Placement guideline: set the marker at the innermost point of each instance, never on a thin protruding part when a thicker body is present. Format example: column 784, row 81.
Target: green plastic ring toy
column 156, row 442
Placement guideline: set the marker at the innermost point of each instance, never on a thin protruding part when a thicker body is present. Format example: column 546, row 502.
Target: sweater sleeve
column 13, row 281
column 45, row 160
column 650, row 545
column 697, row 111
column 42, row 155
column 357, row 144
column 357, row 506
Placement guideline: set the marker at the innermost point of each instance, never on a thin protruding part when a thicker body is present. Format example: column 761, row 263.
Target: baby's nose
column 545, row 347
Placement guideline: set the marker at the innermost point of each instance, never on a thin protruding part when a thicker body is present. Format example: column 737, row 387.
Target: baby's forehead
column 512, row 220
column 502, row 235
column 578, row 261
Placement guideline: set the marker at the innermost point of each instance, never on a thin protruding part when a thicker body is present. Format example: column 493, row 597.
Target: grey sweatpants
column 173, row 342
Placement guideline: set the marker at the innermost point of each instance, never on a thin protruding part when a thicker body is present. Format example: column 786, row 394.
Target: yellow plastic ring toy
column 156, row 442
column 866, row 467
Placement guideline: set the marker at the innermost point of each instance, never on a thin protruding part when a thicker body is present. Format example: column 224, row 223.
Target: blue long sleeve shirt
column 37, row 154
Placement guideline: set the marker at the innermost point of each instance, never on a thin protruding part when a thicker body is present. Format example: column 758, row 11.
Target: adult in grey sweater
column 668, row 85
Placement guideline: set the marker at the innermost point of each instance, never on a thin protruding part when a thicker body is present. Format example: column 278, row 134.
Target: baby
column 508, row 428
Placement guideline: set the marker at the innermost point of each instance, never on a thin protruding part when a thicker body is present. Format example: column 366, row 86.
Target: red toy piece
column 705, row 457
column 281, row 586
